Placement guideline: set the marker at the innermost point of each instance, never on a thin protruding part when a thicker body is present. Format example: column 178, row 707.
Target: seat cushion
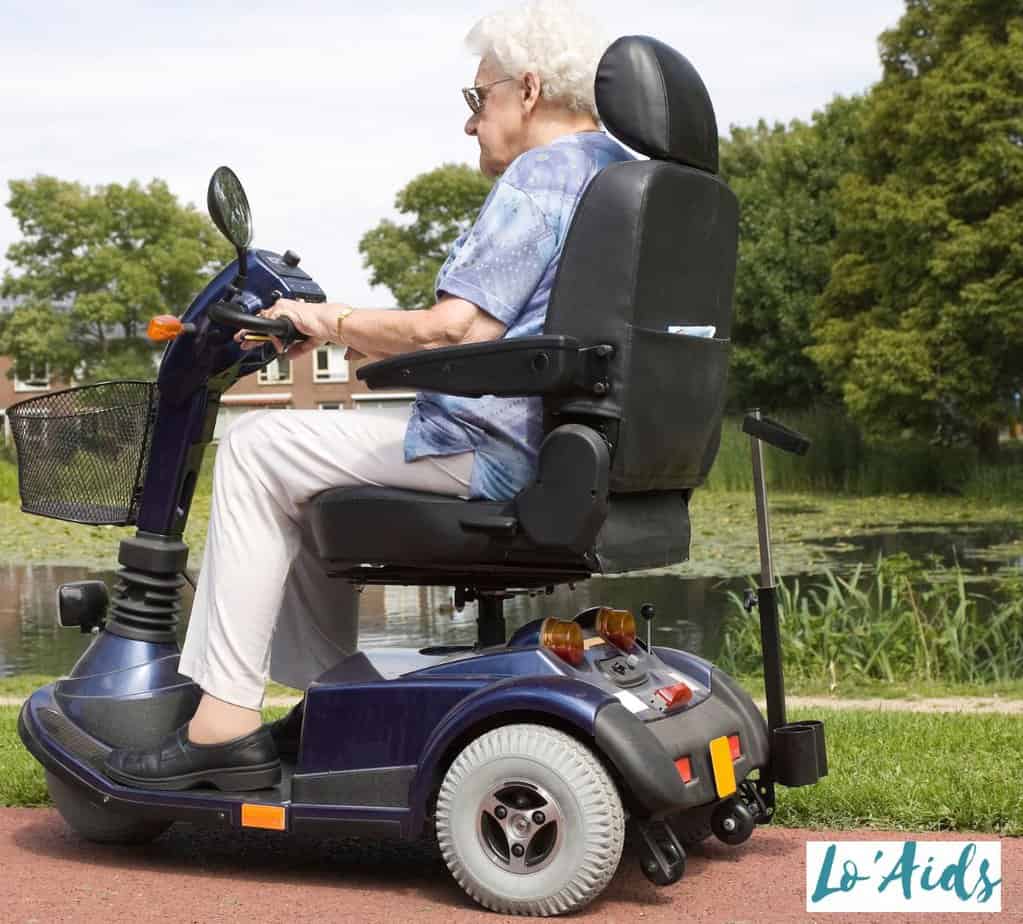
column 405, row 533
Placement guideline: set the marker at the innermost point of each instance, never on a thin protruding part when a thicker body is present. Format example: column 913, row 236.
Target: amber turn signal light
column 564, row 638
column 617, row 627
column 167, row 327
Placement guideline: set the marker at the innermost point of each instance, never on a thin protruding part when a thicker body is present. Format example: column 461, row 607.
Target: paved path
column 49, row 875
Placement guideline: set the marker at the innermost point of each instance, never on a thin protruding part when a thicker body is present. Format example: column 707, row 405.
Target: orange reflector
column 685, row 769
column 164, row 327
column 733, row 743
column 273, row 817
column 564, row 638
column 617, row 627
column 677, row 695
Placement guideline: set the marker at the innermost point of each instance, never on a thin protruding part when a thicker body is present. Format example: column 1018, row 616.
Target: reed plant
column 900, row 621
column 842, row 460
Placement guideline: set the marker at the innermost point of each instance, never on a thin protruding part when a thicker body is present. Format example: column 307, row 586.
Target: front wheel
column 98, row 823
column 529, row 821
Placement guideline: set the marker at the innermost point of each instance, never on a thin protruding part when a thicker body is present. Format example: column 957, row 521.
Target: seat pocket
column 671, row 414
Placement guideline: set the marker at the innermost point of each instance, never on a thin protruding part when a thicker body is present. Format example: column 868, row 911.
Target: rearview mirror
column 229, row 208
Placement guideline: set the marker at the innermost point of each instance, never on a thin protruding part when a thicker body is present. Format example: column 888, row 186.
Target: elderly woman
column 263, row 605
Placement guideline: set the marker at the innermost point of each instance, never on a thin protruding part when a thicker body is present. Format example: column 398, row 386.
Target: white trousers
column 263, row 605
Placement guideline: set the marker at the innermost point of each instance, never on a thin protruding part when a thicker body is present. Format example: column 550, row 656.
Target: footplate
column 661, row 856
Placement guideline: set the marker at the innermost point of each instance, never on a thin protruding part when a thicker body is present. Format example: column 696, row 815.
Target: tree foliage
column 921, row 324
column 91, row 268
column 786, row 180
column 406, row 257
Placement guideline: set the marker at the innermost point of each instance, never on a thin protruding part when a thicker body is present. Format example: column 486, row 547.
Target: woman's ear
column 531, row 89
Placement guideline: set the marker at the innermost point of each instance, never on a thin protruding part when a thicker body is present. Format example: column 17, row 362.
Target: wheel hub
column 520, row 827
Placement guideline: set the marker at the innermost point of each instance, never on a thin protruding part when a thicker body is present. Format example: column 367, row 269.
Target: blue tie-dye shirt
column 506, row 263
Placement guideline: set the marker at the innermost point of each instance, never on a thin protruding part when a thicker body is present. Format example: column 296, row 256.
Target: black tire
column 98, row 823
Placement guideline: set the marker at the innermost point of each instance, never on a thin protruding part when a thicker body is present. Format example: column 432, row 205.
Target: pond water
column 690, row 610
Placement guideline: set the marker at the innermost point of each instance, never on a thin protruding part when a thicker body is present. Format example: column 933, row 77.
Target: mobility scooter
column 529, row 756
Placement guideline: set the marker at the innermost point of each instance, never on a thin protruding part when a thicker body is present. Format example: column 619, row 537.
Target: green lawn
column 904, row 771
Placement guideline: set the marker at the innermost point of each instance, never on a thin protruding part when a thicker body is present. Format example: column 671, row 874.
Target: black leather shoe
column 249, row 762
column 287, row 731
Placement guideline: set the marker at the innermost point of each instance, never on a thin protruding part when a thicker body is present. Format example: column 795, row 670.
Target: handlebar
column 777, row 434
column 283, row 328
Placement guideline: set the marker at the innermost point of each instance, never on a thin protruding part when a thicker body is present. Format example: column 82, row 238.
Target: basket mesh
column 82, row 453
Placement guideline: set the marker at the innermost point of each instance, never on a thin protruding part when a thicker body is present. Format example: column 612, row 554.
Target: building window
column 278, row 372
column 330, row 405
column 330, row 364
column 38, row 379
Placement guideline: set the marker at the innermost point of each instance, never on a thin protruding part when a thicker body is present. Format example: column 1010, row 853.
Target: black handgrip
column 283, row 328
column 778, row 435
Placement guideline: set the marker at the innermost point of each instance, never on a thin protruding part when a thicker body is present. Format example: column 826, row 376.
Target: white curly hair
column 552, row 38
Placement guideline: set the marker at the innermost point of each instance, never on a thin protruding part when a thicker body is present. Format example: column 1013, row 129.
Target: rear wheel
column 529, row 821
column 99, row 823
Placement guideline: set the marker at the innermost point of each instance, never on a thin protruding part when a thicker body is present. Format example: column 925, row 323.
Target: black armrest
column 541, row 365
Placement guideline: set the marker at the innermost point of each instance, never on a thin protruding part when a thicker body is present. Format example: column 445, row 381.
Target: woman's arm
column 379, row 333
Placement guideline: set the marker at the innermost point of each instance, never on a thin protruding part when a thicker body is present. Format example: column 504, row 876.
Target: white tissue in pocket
column 693, row 330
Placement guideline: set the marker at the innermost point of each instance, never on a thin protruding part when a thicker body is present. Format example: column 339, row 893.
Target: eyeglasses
column 476, row 97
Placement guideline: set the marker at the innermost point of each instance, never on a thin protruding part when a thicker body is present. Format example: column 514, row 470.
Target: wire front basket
column 83, row 452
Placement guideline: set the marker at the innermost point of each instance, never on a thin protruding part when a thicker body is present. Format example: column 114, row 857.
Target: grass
column 865, row 688
column 24, row 684
column 842, row 460
column 913, row 772
column 903, row 771
column 901, row 621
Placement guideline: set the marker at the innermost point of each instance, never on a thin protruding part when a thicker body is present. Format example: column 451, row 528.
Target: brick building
column 322, row 379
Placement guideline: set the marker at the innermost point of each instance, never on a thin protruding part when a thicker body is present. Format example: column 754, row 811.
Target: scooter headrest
column 651, row 99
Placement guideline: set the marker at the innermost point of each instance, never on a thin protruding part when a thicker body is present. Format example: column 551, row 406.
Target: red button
column 677, row 695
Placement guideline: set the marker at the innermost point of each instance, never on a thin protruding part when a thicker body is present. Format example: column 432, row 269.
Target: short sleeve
column 501, row 260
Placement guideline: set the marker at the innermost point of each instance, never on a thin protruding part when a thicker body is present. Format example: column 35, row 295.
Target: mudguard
column 566, row 699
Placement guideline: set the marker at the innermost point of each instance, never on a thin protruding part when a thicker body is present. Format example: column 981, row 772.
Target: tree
column 786, row 180
column 920, row 327
column 406, row 258
column 93, row 266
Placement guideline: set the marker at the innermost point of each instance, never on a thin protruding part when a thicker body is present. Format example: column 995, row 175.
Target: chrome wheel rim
column 520, row 827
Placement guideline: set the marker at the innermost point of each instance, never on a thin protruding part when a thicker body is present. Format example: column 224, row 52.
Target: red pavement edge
column 48, row 875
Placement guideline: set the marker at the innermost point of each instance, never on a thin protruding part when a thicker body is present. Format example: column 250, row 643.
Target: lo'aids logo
column 879, row 876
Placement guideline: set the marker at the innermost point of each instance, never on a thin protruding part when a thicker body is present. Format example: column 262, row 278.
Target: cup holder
column 798, row 753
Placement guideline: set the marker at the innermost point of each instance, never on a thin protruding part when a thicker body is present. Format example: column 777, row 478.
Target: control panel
column 295, row 283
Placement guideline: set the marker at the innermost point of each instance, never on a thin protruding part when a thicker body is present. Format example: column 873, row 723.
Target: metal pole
column 763, row 520
column 767, row 601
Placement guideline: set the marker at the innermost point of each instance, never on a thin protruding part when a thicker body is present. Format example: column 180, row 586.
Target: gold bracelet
column 342, row 314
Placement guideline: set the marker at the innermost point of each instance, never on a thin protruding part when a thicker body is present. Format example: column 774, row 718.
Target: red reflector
column 676, row 695
column 684, row 769
column 733, row 743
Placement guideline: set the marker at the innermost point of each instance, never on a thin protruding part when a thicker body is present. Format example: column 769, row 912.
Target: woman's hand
column 308, row 319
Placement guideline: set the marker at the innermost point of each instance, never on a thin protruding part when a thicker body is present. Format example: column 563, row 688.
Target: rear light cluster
column 685, row 768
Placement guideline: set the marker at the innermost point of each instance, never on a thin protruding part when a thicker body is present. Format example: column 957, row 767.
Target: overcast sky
column 325, row 114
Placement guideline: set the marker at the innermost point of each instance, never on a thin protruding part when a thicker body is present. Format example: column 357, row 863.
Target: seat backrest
column 652, row 245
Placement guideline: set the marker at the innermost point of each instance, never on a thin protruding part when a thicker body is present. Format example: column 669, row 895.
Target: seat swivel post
column 490, row 620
